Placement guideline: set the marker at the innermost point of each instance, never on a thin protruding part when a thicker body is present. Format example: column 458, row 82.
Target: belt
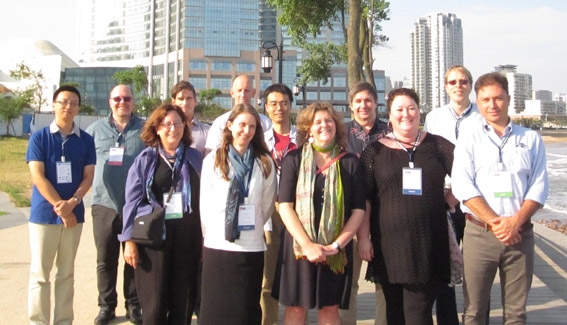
column 527, row 225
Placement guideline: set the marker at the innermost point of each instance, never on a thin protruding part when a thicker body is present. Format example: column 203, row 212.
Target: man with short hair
column 61, row 159
column 117, row 140
column 449, row 122
column 280, row 139
column 241, row 92
column 183, row 95
column 499, row 174
column 362, row 130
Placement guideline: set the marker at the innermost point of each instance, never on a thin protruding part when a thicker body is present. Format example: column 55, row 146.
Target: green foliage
column 138, row 80
column 317, row 65
column 33, row 94
column 208, row 112
column 15, row 176
column 10, row 109
column 87, row 110
column 208, row 95
column 136, row 77
column 305, row 17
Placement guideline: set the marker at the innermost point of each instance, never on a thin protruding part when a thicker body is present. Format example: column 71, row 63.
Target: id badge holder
column 246, row 216
column 173, row 208
column 411, row 181
column 64, row 175
column 116, row 156
column 501, row 182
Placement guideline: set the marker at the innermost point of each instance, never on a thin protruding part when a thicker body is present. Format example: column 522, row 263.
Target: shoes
column 105, row 315
column 134, row 314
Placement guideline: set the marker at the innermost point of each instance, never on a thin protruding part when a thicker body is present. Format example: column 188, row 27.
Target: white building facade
column 436, row 45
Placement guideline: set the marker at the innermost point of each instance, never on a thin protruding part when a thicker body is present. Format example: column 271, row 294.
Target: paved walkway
column 547, row 303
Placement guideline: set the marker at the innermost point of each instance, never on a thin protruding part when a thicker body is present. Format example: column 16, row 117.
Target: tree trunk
column 354, row 67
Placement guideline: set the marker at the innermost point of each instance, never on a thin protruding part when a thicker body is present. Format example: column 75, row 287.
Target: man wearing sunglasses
column 117, row 142
column 450, row 121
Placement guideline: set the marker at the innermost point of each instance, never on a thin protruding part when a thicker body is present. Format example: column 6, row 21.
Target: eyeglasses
column 168, row 125
column 462, row 82
column 67, row 102
column 118, row 99
column 284, row 104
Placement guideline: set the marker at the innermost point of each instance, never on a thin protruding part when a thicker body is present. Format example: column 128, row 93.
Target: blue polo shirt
column 47, row 145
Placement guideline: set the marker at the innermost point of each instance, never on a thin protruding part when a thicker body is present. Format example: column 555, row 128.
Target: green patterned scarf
column 332, row 214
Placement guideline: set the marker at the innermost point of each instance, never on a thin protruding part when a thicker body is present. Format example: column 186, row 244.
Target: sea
column 555, row 207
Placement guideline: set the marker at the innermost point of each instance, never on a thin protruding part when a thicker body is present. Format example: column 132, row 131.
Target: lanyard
column 65, row 139
column 500, row 147
column 117, row 144
column 174, row 175
column 459, row 119
column 406, row 150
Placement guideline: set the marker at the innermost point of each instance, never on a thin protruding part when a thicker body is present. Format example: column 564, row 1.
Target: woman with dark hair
column 237, row 198
column 404, row 174
column 166, row 275
column 321, row 214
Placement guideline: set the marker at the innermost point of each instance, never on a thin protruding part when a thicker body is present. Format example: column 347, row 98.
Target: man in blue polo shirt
column 117, row 139
column 61, row 158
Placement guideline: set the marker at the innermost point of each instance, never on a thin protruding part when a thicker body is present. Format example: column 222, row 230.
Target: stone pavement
column 547, row 302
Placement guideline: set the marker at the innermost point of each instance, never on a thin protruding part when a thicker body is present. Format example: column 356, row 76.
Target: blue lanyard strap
column 411, row 154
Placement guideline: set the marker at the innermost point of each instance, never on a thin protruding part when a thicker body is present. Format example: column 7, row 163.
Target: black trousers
column 107, row 224
column 409, row 304
column 166, row 276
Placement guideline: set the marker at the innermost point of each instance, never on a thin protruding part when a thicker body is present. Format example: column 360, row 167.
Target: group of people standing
column 261, row 212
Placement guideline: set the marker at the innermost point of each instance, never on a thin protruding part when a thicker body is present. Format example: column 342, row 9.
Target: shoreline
column 557, row 225
column 553, row 136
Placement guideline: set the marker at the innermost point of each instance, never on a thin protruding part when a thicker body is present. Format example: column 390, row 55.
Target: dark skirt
column 309, row 285
column 230, row 288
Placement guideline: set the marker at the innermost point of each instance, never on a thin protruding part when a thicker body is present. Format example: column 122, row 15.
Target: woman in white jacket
column 238, row 189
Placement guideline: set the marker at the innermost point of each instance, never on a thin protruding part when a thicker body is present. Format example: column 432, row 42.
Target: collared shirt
column 109, row 180
column 445, row 122
column 53, row 128
column 199, row 132
column 358, row 139
column 477, row 156
column 214, row 137
column 48, row 145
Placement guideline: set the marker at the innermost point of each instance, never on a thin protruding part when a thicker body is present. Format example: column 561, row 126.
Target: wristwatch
column 336, row 245
column 77, row 199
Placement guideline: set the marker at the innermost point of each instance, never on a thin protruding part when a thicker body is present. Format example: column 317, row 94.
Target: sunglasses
column 463, row 82
column 118, row 99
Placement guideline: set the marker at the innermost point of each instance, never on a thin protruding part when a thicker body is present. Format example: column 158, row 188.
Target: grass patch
column 3, row 213
column 15, row 176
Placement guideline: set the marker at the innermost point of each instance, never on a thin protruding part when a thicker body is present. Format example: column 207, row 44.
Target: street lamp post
column 268, row 60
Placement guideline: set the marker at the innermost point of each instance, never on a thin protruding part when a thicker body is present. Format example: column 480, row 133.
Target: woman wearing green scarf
column 321, row 214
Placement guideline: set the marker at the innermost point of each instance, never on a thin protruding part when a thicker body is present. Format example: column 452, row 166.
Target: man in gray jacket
column 117, row 142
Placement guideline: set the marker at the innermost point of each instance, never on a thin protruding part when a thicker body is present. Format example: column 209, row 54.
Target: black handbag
column 149, row 229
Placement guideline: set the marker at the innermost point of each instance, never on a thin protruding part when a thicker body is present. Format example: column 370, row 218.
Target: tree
column 306, row 17
column 138, row 80
column 208, row 95
column 10, row 109
column 33, row 95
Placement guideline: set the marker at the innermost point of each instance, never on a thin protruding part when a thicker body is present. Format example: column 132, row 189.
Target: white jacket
column 214, row 191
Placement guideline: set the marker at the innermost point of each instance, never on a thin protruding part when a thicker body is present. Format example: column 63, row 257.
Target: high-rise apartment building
column 208, row 43
column 519, row 87
column 436, row 45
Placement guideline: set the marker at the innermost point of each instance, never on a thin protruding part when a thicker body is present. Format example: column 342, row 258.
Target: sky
column 531, row 34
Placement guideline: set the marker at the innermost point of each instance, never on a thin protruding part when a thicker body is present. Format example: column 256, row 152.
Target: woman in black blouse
column 321, row 213
column 409, row 248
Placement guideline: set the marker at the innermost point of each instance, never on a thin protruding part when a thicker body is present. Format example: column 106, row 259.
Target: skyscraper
column 519, row 87
column 208, row 43
column 436, row 45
